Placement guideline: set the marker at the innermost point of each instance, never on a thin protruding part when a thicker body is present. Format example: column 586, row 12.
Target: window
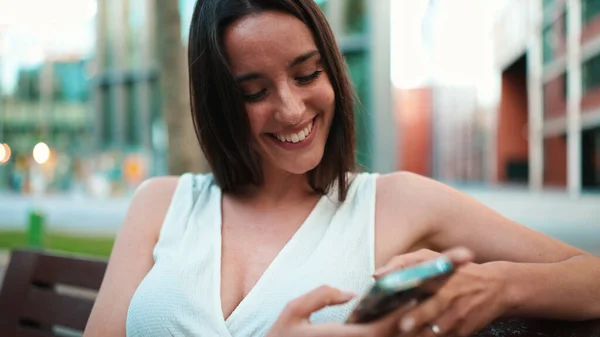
column 70, row 82
column 548, row 44
column 28, row 85
column 589, row 9
column 133, row 128
column 590, row 74
column 107, row 99
column 356, row 17
column 358, row 70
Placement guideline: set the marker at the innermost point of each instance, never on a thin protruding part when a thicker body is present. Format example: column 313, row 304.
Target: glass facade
column 97, row 108
column 590, row 73
column 50, row 103
column 589, row 10
column 354, row 46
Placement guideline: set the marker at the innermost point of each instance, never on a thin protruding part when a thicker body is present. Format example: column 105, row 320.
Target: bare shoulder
column 131, row 257
column 403, row 183
column 420, row 192
column 408, row 191
column 437, row 216
column 405, row 204
column 150, row 203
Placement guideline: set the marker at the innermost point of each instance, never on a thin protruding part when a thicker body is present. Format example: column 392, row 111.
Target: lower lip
column 300, row 145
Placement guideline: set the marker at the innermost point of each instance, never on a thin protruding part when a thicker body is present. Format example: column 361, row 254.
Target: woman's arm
column 131, row 257
column 545, row 276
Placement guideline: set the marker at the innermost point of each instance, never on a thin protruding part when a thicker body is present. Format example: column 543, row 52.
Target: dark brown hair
column 218, row 108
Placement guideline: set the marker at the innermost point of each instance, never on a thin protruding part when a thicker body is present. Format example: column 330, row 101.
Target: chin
column 298, row 165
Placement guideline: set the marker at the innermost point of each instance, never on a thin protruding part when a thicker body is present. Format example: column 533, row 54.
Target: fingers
column 405, row 260
column 424, row 314
column 459, row 256
column 302, row 307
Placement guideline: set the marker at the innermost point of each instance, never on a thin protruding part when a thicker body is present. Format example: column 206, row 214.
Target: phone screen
column 401, row 287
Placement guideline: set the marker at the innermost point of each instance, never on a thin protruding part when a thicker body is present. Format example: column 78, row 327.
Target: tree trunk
column 184, row 153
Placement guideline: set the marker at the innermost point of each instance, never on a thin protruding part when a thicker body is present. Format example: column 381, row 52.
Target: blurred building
column 442, row 74
column 129, row 121
column 88, row 86
column 44, row 97
column 549, row 117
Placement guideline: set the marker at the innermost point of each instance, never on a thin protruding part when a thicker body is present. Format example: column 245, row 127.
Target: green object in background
column 70, row 243
column 35, row 230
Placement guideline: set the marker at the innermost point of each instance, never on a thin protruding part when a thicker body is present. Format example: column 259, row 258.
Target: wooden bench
column 32, row 303
column 46, row 295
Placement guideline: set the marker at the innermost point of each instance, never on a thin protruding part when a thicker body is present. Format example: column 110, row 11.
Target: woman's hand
column 469, row 300
column 294, row 319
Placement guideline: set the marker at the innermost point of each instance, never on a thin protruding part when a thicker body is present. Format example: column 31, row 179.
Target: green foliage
column 99, row 246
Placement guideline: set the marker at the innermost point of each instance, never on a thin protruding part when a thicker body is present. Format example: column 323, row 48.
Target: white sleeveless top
column 180, row 296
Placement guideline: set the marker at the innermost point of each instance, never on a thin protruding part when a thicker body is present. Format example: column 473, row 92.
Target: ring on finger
column 435, row 329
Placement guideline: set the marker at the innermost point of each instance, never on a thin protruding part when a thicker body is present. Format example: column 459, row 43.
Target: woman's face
column 289, row 99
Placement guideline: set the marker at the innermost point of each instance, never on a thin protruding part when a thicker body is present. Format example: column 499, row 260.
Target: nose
column 291, row 106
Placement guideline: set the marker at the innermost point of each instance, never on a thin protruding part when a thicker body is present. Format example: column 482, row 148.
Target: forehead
column 268, row 38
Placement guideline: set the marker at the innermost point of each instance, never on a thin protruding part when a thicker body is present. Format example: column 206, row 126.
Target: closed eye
column 304, row 80
column 255, row 97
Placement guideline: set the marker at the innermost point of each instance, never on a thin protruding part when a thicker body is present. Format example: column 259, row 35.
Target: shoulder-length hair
column 218, row 109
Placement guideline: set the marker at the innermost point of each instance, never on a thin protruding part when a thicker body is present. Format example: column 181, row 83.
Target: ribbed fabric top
column 180, row 296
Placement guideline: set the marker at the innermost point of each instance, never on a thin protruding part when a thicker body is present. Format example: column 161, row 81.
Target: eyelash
column 304, row 80
column 310, row 78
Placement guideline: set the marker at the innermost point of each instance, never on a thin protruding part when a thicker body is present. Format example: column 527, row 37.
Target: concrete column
column 536, row 99
column 100, row 63
column 574, row 97
column 120, row 33
column 383, row 126
column 46, row 100
column 147, row 63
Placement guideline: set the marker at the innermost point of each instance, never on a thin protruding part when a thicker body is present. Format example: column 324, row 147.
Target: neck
column 280, row 187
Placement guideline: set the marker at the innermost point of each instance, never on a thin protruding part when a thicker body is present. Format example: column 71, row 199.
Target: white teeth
column 296, row 137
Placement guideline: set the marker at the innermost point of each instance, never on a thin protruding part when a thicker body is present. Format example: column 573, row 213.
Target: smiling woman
column 282, row 235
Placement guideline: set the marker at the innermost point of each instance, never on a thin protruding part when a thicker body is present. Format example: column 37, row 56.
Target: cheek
column 325, row 97
column 257, row 118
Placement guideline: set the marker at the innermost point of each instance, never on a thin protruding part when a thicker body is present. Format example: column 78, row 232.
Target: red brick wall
column 555, row 102
column 590, row 30
column 413, row 115
column 555, row 161
column 512, row 122
column 590, row 100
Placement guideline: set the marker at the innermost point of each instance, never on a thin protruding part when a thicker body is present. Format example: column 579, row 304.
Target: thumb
column 302, row 307
column 459, row 255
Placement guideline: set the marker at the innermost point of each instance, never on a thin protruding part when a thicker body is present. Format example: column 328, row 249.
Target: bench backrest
column 48, row 295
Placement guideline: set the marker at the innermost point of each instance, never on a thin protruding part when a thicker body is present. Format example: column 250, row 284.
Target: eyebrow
column 303, row 58
column 298, row 60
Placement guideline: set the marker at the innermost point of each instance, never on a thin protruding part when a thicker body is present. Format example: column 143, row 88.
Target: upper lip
column 296, row 129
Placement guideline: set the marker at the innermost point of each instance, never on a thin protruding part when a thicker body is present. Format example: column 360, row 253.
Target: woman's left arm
column 568, row 289
column 542, row 276
column 545, row 276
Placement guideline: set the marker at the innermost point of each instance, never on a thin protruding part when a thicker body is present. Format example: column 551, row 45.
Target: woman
column 283, row 235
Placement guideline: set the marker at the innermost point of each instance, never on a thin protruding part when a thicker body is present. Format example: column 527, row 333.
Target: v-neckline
column 289, row 245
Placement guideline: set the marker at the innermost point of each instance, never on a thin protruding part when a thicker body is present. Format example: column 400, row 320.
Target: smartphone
column 399, row 288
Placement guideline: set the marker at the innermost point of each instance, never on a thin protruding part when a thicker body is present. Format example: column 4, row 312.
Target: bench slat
column 29, row 332
column 80, row 273
column 50, row 308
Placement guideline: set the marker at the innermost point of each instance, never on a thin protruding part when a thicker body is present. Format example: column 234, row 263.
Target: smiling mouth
column 294, row 138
